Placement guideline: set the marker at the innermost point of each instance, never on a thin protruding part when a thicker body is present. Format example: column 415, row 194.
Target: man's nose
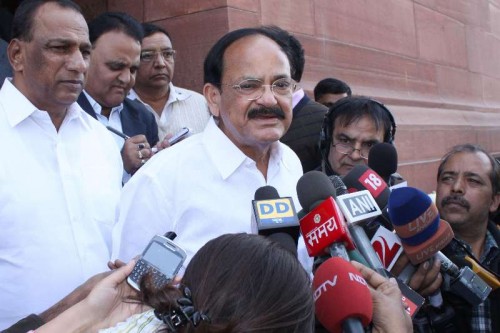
column 458, row 185
column 268, row 98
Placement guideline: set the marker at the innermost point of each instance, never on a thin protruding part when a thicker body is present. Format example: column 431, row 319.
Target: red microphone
column 323, row 226
column 361, row 178
column 342, row 299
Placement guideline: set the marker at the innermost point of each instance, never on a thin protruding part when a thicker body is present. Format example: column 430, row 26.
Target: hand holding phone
column 162, row 257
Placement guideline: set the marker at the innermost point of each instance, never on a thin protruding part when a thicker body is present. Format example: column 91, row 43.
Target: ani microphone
column 341, row 297
column 358, row 208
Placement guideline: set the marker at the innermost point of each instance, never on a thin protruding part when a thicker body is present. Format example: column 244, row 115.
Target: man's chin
column 344, row 170
column 454, row 218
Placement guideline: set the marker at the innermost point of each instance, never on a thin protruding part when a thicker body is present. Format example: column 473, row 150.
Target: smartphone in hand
column 162, row 257
column 179, row 136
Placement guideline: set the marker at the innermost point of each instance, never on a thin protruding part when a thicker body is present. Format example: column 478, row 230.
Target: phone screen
column 163, row 258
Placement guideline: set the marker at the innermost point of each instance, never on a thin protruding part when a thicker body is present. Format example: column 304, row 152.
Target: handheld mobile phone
column 179, row 136
column 162, row 257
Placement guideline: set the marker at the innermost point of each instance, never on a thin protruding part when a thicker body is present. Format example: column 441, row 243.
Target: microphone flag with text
column 276, row 217
column 323, row 227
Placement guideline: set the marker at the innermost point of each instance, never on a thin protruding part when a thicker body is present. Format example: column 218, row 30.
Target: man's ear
column 15, row 52
column 495, row 203
column 212, row 95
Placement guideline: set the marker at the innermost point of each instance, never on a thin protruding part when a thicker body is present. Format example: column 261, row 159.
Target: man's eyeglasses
column 253, row 89
column 348, row 149
column 167, row 55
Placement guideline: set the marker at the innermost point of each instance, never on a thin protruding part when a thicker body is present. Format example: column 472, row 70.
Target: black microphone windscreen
column 284, row 240
column 340, row 188
column 266, row 193
column 312, row 188
column 383, row 159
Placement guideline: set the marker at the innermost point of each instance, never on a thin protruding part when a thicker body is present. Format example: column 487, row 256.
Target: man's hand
column 426, row 279
column 163, row 143
column 135, row 152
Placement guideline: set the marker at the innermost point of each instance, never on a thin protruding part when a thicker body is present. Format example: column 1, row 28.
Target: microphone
column 383, row 159
column 358, row 208
column 423, row 235
column 323, row 226
column 388, row 246
column 341, row 297
column 276, row 218
column 361, row 178
column 489, row 277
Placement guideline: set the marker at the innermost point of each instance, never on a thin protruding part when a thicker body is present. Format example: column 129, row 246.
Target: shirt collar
column 490, row 246
column 226, row 157
column 19, row 108
column 297, row 96
column 175, row 94
column 98, row 108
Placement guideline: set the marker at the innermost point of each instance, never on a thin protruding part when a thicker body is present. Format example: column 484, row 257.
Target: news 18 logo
column 275, row 211
column 373, row 182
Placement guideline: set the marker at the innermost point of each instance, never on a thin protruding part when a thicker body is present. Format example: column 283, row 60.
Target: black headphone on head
column 342, row 107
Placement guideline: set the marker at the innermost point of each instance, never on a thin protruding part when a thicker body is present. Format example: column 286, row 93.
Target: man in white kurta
column 200, row 188
column 60, row 177
column 203, row 187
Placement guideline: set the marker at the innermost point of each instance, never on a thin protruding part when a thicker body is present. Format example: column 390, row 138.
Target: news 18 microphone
column 361, row 178
column 341, row 297
column 323, row 227
column 276, row 217
column 423, row 234
column 383, row 159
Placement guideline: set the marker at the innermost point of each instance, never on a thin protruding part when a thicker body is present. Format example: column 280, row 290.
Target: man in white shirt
column 61, row 175
column 203, row 187
column 173, row 107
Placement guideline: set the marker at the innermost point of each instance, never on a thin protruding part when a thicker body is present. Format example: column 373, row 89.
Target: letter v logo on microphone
column 388, row 246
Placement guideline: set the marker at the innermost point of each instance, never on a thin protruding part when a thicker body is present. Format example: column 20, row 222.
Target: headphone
column 339, row 108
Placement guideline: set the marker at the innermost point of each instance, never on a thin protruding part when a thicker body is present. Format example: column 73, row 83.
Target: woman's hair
column 243, row 283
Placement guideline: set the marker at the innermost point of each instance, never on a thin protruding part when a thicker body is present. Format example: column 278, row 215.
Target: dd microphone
column 423, row 234
column 276, row 218
column 383, row 159
column 323, row 226
column 341, row 297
